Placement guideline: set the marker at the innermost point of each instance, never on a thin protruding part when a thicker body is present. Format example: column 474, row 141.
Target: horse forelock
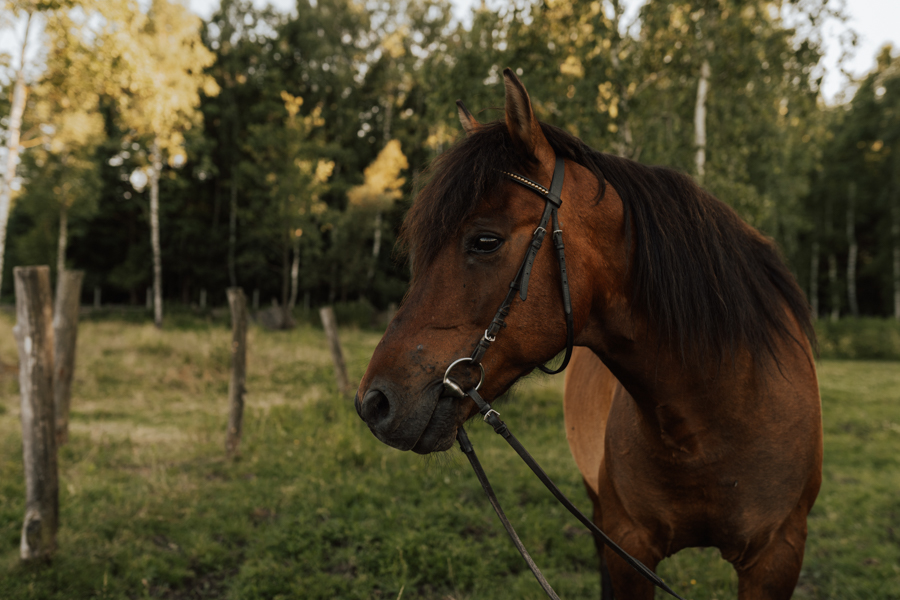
column 455, row 183
column 704, row 279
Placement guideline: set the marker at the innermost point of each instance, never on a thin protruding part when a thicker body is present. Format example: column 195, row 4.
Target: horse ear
column 523, row 126
column 469, row 124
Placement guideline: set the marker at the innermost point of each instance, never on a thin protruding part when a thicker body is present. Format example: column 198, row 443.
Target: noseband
column 492, row 417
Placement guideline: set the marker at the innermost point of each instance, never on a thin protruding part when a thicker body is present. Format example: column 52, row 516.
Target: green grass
column 318, row 508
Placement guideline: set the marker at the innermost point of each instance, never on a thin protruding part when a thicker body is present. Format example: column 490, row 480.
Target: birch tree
column 67, row 115
column 382, row 186
column 161, row 96
column 27, row 10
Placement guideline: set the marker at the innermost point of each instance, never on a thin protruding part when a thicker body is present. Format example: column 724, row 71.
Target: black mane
column 705, row 279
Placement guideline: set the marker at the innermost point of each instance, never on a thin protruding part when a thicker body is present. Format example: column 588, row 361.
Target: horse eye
column 486, row 244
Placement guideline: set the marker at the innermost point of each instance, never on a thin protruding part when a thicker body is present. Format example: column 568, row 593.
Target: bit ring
column 452, row 385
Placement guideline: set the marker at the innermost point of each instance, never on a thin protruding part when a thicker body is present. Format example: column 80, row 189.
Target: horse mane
column 707, row 281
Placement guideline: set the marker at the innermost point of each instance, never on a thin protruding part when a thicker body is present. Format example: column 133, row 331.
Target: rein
column 492, row 417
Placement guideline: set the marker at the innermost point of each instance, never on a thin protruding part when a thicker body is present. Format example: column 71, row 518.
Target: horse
column 691, row 405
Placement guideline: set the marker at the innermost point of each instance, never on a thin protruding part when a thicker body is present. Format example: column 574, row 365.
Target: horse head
column 467, row 233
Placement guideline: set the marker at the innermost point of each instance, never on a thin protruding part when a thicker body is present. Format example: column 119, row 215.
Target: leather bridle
column 519, row 284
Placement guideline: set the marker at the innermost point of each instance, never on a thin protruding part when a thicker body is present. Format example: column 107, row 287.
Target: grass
column 317, row 508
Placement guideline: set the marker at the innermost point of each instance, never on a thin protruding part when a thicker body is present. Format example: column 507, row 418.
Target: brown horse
column 692, row 409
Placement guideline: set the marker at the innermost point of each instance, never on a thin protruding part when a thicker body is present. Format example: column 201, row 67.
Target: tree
column 27, row 9
column 290, row 162
column 380, row 189
column 67, row 113
column 160, row 99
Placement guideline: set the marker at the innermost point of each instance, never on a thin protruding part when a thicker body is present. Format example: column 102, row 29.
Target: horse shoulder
column 590, row 390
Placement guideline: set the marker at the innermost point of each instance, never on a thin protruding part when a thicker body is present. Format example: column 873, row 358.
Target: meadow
column 316, row 507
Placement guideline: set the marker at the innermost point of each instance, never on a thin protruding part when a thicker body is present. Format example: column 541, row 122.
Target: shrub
column 863, row 338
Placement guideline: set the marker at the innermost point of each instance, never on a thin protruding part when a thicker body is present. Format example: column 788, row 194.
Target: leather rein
column 492, row 417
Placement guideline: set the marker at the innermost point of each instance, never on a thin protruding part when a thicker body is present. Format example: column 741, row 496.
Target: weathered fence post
column 34, row 337
column 65, row 337
column 236, row 387
column 326, row 313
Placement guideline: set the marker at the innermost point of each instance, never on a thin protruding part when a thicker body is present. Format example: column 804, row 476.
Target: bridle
column 520, row 284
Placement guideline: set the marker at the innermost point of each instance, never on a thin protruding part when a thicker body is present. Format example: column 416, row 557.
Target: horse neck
column 663, row 382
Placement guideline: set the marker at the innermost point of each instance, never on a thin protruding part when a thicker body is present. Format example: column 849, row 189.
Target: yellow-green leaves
column 382, row 181
column 163, row 73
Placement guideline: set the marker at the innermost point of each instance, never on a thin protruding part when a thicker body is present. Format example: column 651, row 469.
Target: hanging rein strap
column 492, row 418
column 520, row 282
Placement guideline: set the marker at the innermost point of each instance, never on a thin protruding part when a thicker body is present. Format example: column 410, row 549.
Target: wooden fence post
column 65, row 337
column 34, row 337
column 236, row 387
column 326, row 313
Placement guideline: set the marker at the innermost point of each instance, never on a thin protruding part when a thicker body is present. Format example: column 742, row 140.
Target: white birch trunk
column 700, row 120
column 295, row 275
column 814, row 282
column 376, row 247
column 156, row 158
column 833, row 286
column 852, row 250
column 12, row 146
column 63, row 241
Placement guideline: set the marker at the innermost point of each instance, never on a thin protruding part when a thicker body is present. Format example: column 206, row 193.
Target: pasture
column 316, row 507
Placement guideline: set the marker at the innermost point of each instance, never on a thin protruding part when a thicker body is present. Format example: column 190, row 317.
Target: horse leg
column 606, row 590
column 622, row 576
column 774, row 572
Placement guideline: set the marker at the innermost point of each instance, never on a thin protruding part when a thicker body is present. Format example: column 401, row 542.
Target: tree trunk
column 34, row 336
column 156, row 158
column 814, row 281
column 63, row 240
column 852, row 250
column 12, row 155
column 329, row 324
column 65, row 336
column 236, row 387
column 232, row 231
column 700, row 120
column 895, row 235
column 295, row 275
column 376, row 247
column 287, row 320
column 833, row 287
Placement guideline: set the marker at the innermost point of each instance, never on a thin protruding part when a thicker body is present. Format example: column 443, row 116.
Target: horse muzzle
column 426, row 424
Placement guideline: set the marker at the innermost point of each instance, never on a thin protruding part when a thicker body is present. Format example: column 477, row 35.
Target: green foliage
column 863, row 338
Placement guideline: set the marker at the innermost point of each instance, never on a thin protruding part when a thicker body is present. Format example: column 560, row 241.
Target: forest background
column 279, row 151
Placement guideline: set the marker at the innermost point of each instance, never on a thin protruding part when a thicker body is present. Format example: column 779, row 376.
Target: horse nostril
column 375, row 408
column 357, row 405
